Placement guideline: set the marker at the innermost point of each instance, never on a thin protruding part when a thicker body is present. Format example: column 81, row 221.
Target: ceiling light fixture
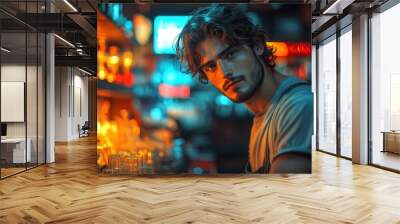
column 333, row 6
column 5, row 50
column 84, row 71
column 337, row 7
column 70, row 5
column 65, row 41
column 79, row 51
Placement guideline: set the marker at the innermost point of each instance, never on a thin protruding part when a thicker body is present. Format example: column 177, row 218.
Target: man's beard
column 250, row 94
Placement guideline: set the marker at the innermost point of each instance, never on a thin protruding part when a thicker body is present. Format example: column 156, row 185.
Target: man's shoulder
column 297, row 105
column 299, row 94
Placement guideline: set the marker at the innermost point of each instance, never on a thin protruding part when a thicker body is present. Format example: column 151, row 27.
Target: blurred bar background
column 154, row 119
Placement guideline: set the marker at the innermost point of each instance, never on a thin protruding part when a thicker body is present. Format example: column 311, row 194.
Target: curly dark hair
column 229, row 23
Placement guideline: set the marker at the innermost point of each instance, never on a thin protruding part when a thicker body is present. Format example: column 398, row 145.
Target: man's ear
column 258, row 48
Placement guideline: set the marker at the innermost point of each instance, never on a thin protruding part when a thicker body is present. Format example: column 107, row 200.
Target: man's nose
column 226, row 69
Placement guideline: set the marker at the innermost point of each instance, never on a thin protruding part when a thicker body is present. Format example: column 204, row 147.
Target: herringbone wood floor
column 70, row 191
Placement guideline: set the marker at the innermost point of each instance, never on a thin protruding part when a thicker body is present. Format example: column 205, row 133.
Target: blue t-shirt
column 286, row 127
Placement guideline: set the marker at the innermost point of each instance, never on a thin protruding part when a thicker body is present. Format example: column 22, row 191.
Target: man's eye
column 230, row 54
column 210, row 67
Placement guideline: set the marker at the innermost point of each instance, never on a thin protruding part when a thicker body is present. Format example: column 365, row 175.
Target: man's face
column 234, row 70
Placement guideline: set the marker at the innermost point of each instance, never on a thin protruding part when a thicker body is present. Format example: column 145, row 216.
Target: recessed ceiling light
column 84, row 71
column 337, row 7
column 64, row 40
column 5, row 50
column 70, row 5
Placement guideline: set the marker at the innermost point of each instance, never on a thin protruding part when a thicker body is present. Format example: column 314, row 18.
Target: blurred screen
column 166, row 30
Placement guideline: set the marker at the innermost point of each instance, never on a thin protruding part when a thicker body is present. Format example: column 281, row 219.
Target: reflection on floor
column 71, row 191
column 346, row 152
column 10, row 171
column 386, row 159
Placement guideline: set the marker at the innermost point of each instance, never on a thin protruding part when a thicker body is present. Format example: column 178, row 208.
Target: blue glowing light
column 177, row 152
column 128, row 26
column 197, row 170
column 156, row 114
column 116, row 11
column 170, row 76
column 222, row 100
column 166, row 30
column 168, row 72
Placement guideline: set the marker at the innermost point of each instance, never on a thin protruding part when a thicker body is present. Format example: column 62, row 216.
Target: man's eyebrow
column 218, row 56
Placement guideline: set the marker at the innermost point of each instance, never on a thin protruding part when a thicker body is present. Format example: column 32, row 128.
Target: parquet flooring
column 387, row 159
column 71, row 191
column 10, row 171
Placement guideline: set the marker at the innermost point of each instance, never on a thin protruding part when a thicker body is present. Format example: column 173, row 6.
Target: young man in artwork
column 222, row 46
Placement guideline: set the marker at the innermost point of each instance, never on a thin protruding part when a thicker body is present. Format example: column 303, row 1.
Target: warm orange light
column 299, row 49
column 149, row 158
column 102, row 43
column 101, row 56
column 280, row 48
column 127, row 62
column 143, row 28
column 110, row 78
column 120, row 145
column 128, row 59
column 127, row 79
column 285, row 49
column 111, row 63
column 102, row 74
column 113, row 60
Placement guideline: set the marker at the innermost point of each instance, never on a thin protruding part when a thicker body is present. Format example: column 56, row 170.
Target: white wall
column 61, row 103
column 71, row 102
column 33, row 126
column 10, row 73
column 80, row 110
